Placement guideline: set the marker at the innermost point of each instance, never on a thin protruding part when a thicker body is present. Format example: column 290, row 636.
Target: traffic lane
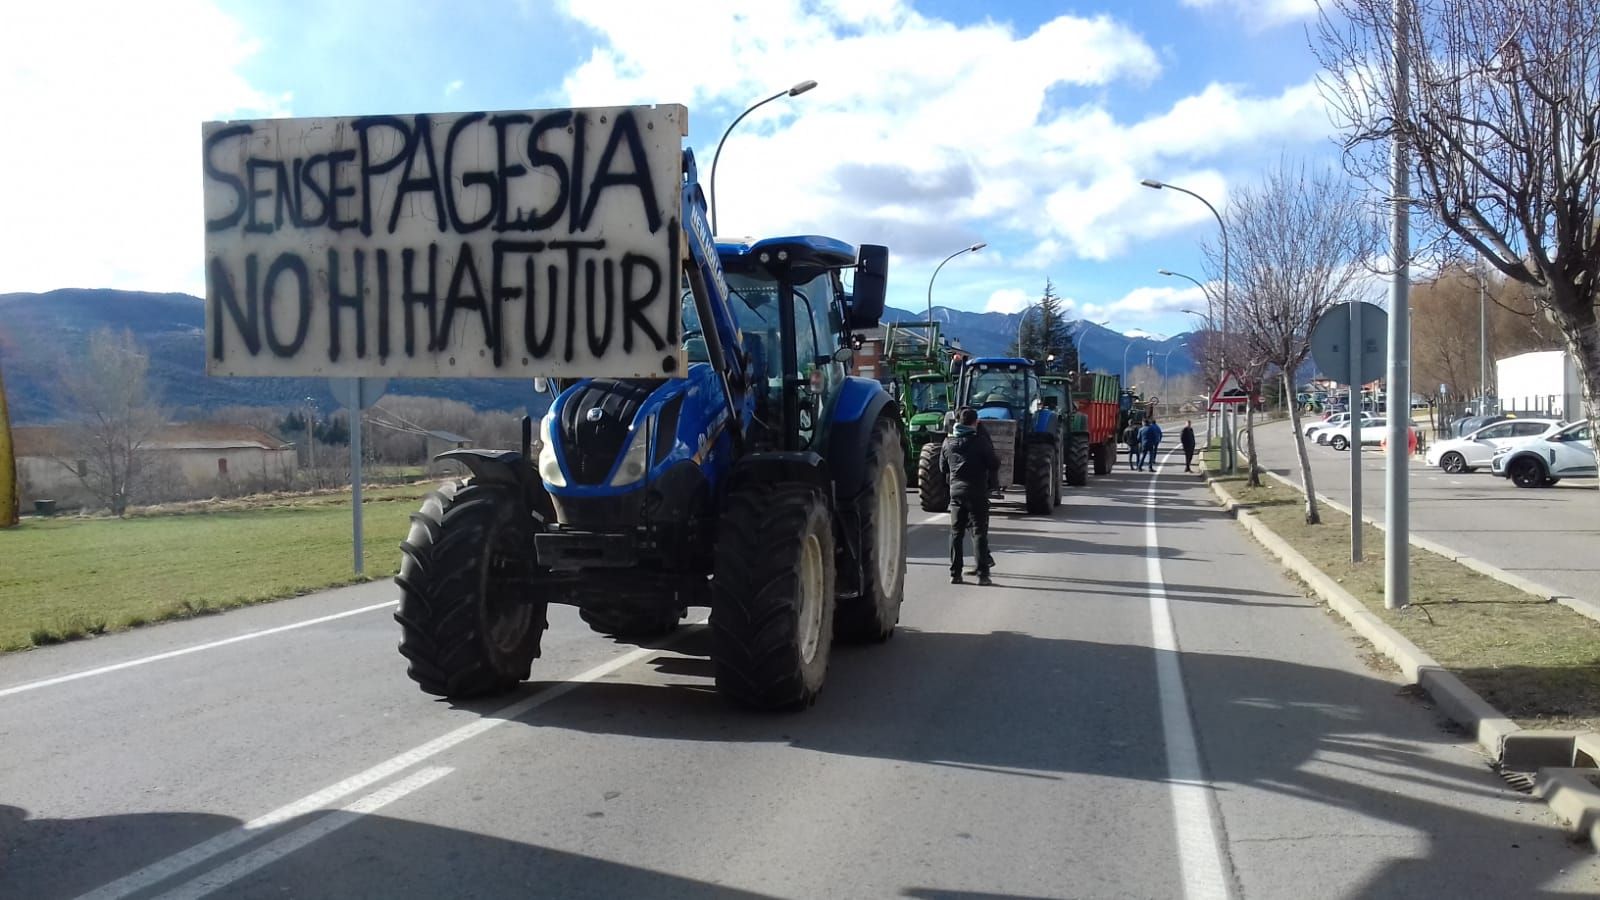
column 1547, row 534
column 1004, row 741
column 1328, row 771
column 230, row 735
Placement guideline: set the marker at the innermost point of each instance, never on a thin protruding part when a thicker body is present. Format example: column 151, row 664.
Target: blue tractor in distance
column 1028, row 435
column 767, row 484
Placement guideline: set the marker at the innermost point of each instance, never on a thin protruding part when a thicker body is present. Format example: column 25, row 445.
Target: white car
column 1567, row 452
column 1333, row 420
column 1326, row 435
column 1476, row 450
column 1373, row 431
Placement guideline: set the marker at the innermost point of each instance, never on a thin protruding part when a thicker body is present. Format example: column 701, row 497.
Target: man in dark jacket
column 1186, row 438
column 968, row 462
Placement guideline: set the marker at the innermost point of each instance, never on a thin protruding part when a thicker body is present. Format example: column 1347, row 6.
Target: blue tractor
column 1028, row 435
column 766, row 484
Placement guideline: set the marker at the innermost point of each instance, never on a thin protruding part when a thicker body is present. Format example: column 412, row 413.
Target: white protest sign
column 465, row 245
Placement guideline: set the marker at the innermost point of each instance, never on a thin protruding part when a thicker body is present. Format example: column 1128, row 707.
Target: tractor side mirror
column 871, row 286
column 843, row 355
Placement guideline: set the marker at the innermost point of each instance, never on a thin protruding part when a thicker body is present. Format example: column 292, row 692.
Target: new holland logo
column 594, row 414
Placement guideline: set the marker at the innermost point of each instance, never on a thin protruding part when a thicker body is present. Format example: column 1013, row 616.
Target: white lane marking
column 238, row 868
column 163, row 869
column 185, row 651
column 1199, row 852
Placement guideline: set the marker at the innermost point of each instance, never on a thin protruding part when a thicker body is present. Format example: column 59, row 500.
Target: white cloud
column 454, row 87
column 925, row 135
column 104, row 103
column 1263, row 13
column 1144, row 305
column 1008, row 300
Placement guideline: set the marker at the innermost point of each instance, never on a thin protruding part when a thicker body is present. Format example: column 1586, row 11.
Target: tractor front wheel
column 881, row 510
column 932, row 489
column 465, row 629
column 1044, row 468
column 1077, row 459
column 772, row 606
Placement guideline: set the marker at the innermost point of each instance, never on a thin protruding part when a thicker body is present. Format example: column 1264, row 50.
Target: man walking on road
column 1150, row 434
column 1186, row 438
column 968, row 461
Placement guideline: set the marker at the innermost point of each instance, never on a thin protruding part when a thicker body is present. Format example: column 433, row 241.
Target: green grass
column 63, row 579
column 1537, row 662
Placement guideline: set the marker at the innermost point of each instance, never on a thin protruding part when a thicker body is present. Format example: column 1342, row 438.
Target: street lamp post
column 795, row 91
column 1227, row 444
column 1083, row 338
column 972, row 249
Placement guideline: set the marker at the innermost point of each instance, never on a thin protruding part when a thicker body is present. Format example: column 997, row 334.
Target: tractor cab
column 1000, row 389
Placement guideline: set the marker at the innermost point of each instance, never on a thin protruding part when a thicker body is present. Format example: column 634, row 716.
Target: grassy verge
column 66, row 578
column 1537, row 662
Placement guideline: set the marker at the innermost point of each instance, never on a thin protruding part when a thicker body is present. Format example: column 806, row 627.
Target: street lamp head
column 1167, row 272
column 1152, row 183
column 978, row 246
column 802, row 87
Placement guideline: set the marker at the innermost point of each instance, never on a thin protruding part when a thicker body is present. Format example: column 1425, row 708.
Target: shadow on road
column 374, row 856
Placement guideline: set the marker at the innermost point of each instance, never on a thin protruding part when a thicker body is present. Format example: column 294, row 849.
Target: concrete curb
column 1574, row 798
column 1573, row 794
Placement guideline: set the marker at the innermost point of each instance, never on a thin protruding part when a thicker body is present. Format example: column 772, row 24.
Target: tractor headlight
column 636, row 459
column 549, row 465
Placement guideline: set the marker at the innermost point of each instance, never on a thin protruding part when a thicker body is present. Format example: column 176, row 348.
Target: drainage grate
column 1521, row 782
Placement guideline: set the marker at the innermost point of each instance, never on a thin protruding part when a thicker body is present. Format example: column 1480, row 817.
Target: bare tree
column 111, row 415
column 1300, row 239
column 1501, row 110
column 9, row 487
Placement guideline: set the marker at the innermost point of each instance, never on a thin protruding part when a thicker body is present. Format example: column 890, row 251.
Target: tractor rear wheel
column 465, row 628
column 932, row 489
column 772, row 605
column 1077, row 459
column 881, row 510
column 1105, row 456
column 1044, row 468
column 630, row 623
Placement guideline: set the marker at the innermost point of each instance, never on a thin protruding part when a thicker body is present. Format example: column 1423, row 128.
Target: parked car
column 1326, row 435
column 1477, row 449
column 1567, row 452
column 1331, row 420
column 1373, row 430
column 1468, row 424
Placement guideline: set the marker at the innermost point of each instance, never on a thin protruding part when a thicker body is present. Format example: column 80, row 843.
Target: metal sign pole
column 1355, row 432
column 355, row 478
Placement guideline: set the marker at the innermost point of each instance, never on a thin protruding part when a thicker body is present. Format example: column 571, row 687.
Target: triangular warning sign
column 1229, row 390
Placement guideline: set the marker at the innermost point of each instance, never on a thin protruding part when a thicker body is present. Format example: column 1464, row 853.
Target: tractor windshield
column 929, row 396
column 992, row 387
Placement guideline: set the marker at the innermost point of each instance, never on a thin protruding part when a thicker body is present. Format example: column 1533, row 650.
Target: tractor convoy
column 704, row 444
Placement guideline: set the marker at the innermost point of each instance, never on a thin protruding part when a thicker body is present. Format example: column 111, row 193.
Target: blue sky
column 1024, row 124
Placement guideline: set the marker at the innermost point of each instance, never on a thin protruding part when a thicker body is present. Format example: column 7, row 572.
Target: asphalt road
column 1546, row 534
column 1141, row 707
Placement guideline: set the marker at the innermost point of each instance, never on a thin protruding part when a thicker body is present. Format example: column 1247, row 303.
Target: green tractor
column 920, row 364
column 1055, row 390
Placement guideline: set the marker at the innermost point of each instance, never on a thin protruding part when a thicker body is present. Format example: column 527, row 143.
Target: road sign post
column 356, row 394
column 1227, row 396
column 1360, row 326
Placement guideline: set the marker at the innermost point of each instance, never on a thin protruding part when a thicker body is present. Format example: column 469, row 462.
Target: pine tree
column 1044, row 332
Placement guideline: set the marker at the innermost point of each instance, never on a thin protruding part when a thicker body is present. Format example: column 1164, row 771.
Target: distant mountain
column 1102, row 349
column 41, row 332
